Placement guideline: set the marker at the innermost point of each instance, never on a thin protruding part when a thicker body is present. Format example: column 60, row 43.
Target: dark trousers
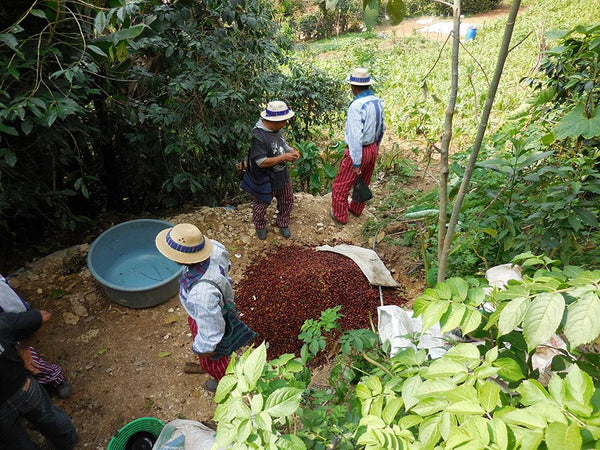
column 285, row 201
column 34, row 405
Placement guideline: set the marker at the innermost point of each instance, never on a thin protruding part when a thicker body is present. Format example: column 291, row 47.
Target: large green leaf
column 283, row 401
column 512, row 315
column 465, row 407
column 543, row 316
column 465, row 353
column 488, row 395
column 499, row 433
column 410, row 388
column 577, row 123
column 580, row 385
column 290, row 442
column 433, row 313
column 471, row 321
column 254, row 364
column 526, row 417
column 509, row 369
column 392, row 406
column 459, row 287
column 452, row 317
column 583, row 320
column 565, row 437
column 532, row 392
column 371, row 11
column 396, row 10
column 226, row 385
column 443, row 368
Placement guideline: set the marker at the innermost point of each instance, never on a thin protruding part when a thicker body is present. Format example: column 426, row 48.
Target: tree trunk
column 485, row 115
column 447, row 136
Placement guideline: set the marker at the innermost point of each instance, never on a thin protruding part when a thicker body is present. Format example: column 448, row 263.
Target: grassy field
column 400, row 66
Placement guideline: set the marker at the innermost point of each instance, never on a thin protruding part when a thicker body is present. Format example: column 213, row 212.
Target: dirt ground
column 111, row 352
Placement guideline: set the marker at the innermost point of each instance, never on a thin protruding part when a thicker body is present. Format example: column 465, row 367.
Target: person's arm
column 204, row 303
column 274, row 160
column 354, row 133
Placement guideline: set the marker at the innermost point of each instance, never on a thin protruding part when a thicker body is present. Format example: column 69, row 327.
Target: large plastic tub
column 125, row 261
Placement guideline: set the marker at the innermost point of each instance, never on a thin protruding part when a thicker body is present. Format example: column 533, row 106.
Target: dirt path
column 111, row 352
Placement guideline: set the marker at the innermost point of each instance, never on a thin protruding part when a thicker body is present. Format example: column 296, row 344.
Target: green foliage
column 315, row 169
column 312, row 331
column 428, row 7
column 316, row 98
column 331, row 18
column 411, row 401
column 139, row 106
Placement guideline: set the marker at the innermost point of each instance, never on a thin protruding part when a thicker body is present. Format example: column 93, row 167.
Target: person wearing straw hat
column 267, row 174
column 363, row 134
column 206, row 293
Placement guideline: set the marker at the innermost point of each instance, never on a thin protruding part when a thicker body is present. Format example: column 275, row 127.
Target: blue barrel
column 471, row 32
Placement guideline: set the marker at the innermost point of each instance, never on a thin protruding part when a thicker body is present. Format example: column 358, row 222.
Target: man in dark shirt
column 267, row 175
column 21, row 395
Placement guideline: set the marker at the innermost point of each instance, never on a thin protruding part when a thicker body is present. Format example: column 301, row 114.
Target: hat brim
column 366, row 83
column 277, row 118
column 180, row 257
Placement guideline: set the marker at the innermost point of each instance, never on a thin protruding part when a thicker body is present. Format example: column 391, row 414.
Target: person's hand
column 291, row 156
column 28, row 361
column 45, row 316
column 357, row 170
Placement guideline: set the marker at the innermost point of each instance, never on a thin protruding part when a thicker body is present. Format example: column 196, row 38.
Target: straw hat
column 184, row 244
column 277, row 111
column 360, row 77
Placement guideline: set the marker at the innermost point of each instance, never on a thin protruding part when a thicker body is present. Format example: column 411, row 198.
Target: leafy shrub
column 315, row 96
column 315, row 169
column 324, row 22
column 474, row 396
column 147, row 105
column 429, row 7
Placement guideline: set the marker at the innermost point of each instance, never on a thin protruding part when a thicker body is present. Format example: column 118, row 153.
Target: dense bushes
column 429, row 7
column 322, row 22
column 141, row 106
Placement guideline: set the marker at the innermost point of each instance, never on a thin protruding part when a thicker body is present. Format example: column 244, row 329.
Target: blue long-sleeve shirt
column 364, row 124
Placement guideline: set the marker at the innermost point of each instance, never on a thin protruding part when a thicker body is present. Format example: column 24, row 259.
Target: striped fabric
column 214, row 367
column 344, row 181
column 285, row 201
column 49, row 373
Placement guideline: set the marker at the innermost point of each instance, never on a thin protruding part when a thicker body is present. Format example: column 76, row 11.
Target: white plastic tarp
column 368, row 261
column 394, row 323
column 185, row 435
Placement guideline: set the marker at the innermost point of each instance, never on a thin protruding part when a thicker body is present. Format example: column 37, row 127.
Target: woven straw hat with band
column 184, row 244
column 360, row 77
column 277, row 111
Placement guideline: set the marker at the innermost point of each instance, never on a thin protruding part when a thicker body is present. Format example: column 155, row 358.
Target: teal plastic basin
column 125, row 261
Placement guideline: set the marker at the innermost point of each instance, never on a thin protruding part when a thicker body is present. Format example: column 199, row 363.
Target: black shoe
column 63, row 390
column 335, row 219
column 211, row 385
column 261, row 234
column 285, row 232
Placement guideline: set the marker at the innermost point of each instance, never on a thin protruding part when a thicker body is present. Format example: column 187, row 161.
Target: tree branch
column 447, row 136
column 485, row 115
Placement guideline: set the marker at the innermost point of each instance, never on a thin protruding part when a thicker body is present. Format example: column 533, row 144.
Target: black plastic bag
column 361, row 192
